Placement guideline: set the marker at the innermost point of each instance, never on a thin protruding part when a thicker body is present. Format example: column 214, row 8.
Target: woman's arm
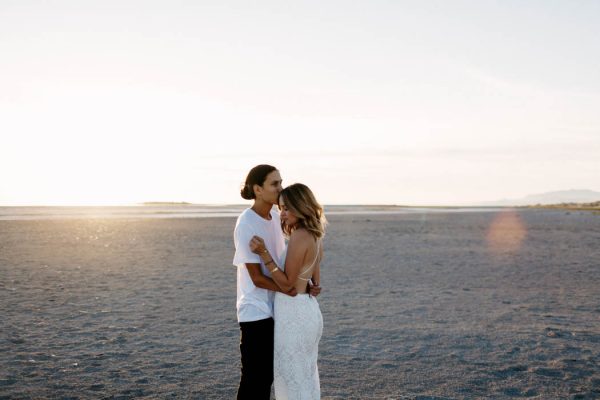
column 296, row 253
column 261, row 280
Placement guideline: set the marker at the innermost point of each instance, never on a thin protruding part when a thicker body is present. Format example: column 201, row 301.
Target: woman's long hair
column 301, row 202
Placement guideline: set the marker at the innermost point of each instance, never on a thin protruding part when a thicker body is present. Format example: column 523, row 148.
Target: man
column 255, row 288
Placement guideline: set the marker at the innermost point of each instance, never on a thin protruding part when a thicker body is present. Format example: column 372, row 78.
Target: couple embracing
column 279, row 316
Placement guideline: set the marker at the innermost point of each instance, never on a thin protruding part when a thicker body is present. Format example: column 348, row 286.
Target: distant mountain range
column 562, row 196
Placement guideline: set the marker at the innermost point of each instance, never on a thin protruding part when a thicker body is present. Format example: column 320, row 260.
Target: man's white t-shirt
column 254, row 303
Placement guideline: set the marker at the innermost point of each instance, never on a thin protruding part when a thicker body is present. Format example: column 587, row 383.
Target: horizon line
column 477, row 205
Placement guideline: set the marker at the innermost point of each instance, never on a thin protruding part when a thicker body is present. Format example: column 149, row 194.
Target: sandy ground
column 425, row 306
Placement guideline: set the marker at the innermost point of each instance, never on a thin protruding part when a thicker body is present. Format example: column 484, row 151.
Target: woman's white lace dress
column 298, row 328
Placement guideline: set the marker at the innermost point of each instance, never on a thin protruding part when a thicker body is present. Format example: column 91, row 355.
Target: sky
column 372, row 102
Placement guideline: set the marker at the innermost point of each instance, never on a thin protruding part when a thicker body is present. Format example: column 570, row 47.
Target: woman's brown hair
column 301, row 202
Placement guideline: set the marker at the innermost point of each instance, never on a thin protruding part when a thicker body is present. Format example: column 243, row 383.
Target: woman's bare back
column 306, row 272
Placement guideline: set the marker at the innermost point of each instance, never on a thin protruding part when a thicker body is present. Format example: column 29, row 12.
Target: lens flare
column 506, row 233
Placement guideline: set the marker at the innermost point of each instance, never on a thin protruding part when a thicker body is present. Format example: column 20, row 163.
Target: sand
column 416, row 306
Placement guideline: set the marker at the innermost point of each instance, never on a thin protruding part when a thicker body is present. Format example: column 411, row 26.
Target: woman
column 298, row 320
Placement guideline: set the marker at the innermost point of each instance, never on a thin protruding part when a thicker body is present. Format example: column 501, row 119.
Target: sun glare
column 505, row 234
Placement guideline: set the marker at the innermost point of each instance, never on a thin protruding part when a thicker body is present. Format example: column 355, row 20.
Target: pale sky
column 373, row 102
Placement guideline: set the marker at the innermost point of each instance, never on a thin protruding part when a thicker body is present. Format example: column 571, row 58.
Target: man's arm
column 264, row 282
column 313, row 286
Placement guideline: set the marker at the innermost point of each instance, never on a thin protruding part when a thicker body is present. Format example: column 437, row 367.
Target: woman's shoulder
column 302, row 237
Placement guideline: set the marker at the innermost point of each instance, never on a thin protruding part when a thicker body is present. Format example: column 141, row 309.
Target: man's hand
column 293, row 292
column 313, row 290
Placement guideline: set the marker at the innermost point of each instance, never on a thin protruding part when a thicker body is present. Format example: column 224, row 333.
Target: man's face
column 272, row 187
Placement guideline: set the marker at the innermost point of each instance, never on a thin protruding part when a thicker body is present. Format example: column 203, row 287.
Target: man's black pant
column 256, row 346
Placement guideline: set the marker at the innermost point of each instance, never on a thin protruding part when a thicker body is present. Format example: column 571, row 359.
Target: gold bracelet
column 274, row 269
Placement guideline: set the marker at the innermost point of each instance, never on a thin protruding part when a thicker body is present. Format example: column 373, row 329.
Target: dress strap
column 312, row 264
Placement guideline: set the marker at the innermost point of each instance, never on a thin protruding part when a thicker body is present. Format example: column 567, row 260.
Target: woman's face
column 287, row 217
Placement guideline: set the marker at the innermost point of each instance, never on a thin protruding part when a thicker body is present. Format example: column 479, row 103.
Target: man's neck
column 263, row 209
